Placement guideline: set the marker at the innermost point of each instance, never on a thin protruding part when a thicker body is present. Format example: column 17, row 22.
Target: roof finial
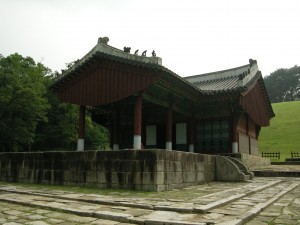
column 251, row 61
column 127, row 49
column 103, row 40
column 153, row 53
column 144, row 53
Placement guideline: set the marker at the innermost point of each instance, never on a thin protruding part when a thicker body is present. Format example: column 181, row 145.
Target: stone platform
column 146, row 170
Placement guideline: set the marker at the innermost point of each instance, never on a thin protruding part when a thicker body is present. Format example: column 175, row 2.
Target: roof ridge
column 219, row 71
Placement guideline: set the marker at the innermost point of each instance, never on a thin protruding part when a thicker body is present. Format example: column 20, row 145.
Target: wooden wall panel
column 251, row 128
column 255, row 106
column 105, row 85
column 253, row 146
column 242, row 125
column 244, row 144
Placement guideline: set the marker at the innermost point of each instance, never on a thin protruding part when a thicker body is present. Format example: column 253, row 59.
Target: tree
column 22, row 101
column 96, row 136
column 59, row 132
column 31, row 117
column 284, row 84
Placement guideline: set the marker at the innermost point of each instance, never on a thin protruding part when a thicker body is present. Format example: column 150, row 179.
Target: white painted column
column 137, row 137
column 116, row 147
column 191, row 147
column 235, row 147
column 80, row 144
column 168, row 145
column 81, row 129
column 116, row 130
column 169, row 129
column 137, row 142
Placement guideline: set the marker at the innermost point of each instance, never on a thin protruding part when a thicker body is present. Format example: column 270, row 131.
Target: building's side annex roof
column 235, row 79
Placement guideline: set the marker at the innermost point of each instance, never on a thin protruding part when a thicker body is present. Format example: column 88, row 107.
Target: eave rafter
column 162, row 97
column 184, row 93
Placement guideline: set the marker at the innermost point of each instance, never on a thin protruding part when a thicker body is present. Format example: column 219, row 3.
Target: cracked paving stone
column 104, row 222
column 2, row 220
column 213, row 216
column 36, row 217
column 13, row 212
column 12, row 218
column 54, row 221
column 68, row 223
column 37, row 223
column 41, row 211
column 270, row 214
column 265, row 219
column 12, row 223
column 57, row 215
column 285, row 221
column 256, row 222
column 81, row 219
column 23, row 221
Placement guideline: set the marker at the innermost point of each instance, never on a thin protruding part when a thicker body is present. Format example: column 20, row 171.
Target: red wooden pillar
column 234, row 135
column 169, row 129
column 137, row 138
column 116, row 128
column 81, row 129
column 191, row 134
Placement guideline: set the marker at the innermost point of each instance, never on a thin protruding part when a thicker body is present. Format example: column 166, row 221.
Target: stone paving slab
column 284, row 211
column 233, row 203
column 220, row 194
column 260, row 195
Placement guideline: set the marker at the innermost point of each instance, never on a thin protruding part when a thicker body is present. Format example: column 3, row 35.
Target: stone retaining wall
column 147, row 170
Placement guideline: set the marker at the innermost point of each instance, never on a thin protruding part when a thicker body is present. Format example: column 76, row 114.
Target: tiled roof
column 235, row 79
column 232, row 81
column 108, row 52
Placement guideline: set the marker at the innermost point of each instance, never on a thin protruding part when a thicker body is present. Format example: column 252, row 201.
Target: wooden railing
column 295, row 154
column 273, row 155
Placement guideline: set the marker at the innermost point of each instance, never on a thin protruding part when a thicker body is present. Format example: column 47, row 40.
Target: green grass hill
column 284, row 132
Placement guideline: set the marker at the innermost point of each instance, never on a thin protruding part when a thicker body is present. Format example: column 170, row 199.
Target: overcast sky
column 191, row 37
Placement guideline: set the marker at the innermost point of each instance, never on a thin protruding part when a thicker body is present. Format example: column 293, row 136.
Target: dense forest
column 284, row 85
column 31, row 117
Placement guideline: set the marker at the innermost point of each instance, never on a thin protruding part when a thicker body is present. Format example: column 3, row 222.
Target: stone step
column 247, row 177
column 241, row 206
column 202, row 204
column 256, row 204
column 270, row 173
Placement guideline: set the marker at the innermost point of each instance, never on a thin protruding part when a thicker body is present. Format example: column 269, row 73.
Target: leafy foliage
column 96, row 136
column 22, row 101
column 284, row 85
column 60, row 131
column 31, row 117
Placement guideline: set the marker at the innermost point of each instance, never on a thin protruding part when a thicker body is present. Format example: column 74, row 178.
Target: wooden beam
column 177, row 107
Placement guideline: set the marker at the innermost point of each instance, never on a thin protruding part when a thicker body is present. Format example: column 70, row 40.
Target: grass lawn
column 284, row 132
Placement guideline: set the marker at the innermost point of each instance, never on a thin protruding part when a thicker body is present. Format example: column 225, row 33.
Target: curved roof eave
column 107, row 52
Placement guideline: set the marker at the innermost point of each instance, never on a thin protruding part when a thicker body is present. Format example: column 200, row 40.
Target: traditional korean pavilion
column 146, row 105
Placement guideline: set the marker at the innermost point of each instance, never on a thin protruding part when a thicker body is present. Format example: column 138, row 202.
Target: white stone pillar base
column 80, row 145
column 115, row 146
column 235, row 147
column 137, row 142
column 191, row 148
column 168, row 145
